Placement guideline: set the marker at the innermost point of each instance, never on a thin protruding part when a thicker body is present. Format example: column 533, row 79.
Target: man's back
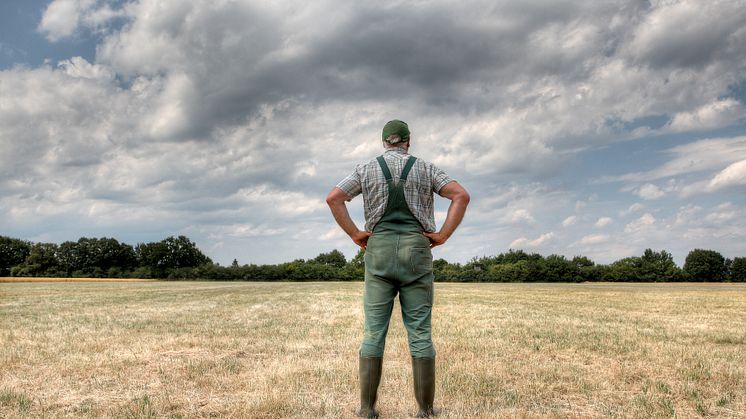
column 423, row 180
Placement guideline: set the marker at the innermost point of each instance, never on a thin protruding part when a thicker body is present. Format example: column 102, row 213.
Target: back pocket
column 378, row 259
column 421, row 259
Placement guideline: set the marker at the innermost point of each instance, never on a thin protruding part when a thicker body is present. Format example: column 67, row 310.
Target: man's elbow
column 330, row 200
column 335, row 197
column 463, row 197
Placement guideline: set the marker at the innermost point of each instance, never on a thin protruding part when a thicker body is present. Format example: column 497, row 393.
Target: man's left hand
column 436, row 239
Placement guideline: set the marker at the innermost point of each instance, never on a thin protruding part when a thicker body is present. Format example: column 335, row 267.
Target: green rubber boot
column 370, row 377
column 423, row 371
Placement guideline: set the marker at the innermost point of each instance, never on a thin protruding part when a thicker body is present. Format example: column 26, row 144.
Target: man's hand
column 436, row 239
column 361, row 238
column 459, row 200
column 336, row 201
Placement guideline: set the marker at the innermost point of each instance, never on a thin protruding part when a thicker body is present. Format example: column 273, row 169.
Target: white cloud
column 720, row 227
column 287, row 202
column 334, row 233
column 247, row 230
column 78, row 67
column 171, row 118
column 603, row 222
column 733, row 175
column 717, row 114
column 640, row 224
column 594, row 239
column 520, row 215
column 650, row 192
column 719, row 217
column 723, row 213
column 63, row 18
column 524, row 242
column 698, row 156
column 687, row 214
column 632, row 209
column 571, row 220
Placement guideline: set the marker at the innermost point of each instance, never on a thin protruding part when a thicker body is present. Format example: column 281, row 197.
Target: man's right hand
column 361, row 238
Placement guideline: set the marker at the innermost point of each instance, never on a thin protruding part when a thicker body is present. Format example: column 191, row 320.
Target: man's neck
column 396, row 149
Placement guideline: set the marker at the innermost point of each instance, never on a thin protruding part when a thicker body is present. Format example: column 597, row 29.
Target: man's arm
column 459, row 200
column 336, row 201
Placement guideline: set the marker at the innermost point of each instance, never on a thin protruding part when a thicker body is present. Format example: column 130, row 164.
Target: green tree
column 449, row 272
column 41, row 261
column 738, row 270
column 625, row 270
column 96, row 257
column 585, row 269
column 169, row 253
column 106, row 253
column 511, row 272
column 70, row 258
column 13, row 252
column 183, row 253
column 513, row 256
column 334, row 258
column 152, row 255
column 705, row 265
column 558, row 269
column 582, row 262
column 658, row 267
column 359, row 260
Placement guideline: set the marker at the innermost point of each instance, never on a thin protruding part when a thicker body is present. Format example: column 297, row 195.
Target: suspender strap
column 385, row 168
column 404, row 172
column 407, row 167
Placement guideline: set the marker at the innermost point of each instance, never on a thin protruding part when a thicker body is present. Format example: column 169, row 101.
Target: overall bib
column 398, row 260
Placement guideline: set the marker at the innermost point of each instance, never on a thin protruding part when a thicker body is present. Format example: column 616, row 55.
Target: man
column 399, row 232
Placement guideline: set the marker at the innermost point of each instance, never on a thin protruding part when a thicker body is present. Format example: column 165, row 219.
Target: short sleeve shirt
column 423, row 181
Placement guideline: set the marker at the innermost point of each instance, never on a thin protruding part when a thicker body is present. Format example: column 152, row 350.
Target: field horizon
column 71, row 279
column 289, row 349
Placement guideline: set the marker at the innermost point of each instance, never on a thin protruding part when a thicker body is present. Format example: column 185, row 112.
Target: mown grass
column 265, row 350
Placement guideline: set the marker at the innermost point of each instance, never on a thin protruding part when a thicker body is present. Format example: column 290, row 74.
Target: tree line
column 178, row 258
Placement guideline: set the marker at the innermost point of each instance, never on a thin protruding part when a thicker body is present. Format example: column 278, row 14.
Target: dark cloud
column 690, row 35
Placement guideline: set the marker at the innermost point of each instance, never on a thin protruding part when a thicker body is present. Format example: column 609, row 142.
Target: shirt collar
column 395, row 150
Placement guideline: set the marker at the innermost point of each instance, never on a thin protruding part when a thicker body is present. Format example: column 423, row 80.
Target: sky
column 579, row 128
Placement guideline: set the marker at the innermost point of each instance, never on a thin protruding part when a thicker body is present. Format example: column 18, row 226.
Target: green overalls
column 398, row 260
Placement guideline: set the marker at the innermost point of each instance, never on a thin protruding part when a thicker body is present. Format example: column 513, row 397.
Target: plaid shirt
column 422, row 181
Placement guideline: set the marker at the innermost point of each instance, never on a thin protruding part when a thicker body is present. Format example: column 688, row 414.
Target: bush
column 178, row 258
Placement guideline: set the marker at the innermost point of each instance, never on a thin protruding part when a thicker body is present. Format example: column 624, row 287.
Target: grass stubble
column 270, row 350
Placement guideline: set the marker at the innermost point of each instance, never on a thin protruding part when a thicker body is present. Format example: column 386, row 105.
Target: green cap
column 396, row 127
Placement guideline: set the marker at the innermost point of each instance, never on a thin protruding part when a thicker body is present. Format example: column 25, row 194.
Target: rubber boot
column 423, row 372
column 370, row 377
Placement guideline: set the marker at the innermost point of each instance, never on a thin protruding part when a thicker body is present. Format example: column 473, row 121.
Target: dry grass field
column 266, row 350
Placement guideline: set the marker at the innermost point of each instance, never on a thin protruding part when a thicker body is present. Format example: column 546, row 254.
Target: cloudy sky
column 580, row 127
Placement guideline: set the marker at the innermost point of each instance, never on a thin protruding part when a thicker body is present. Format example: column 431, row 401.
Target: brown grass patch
column 203, row 349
